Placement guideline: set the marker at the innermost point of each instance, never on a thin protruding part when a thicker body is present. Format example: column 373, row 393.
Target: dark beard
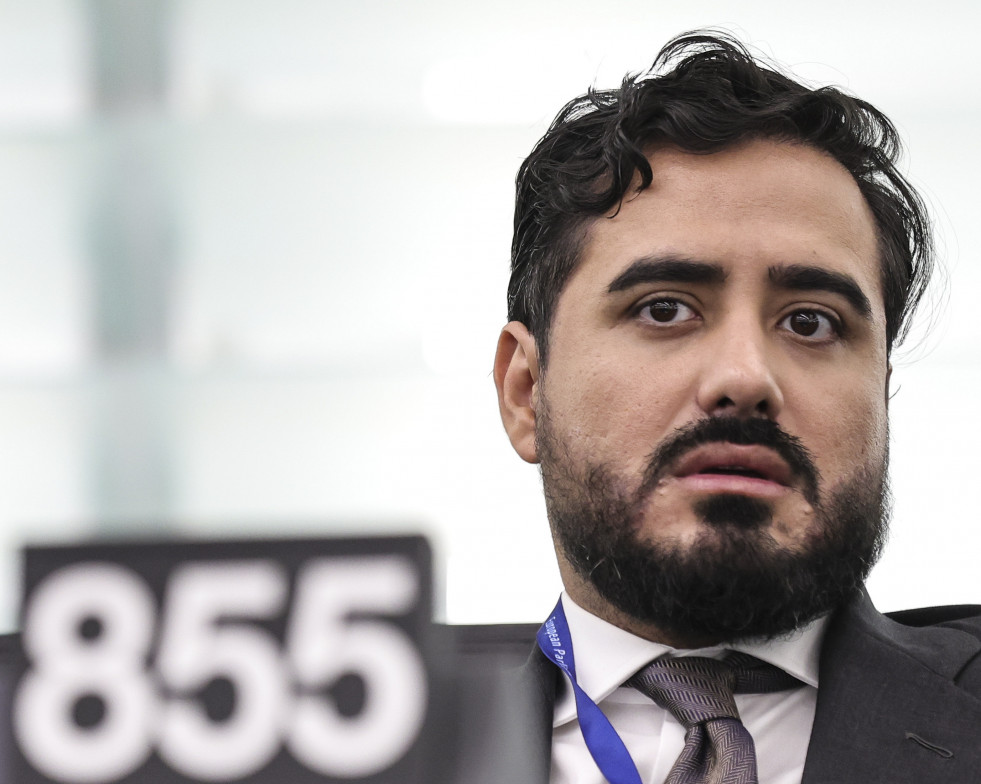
column 734, row 580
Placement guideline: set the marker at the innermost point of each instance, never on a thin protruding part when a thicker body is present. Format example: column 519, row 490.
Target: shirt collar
column 607, row 655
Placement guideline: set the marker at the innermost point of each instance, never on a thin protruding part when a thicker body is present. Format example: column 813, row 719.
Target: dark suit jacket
column 899, row 702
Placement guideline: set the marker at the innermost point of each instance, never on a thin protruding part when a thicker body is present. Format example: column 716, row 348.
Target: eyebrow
column 794, row 277
column 666, row 269
column 800, row 277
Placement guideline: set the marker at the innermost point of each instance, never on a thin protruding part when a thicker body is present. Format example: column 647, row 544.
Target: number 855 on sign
column 226, row 669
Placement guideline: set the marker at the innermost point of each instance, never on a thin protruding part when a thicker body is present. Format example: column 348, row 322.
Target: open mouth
column 734, row 471
column 748, row 461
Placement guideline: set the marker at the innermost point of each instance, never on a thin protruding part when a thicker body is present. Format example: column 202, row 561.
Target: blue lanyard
column 602, row 741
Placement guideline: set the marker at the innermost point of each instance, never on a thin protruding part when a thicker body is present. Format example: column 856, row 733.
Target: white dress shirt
column 606, row 656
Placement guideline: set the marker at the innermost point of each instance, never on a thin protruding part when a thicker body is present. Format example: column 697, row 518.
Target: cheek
column 611, row 413
column 850, row 434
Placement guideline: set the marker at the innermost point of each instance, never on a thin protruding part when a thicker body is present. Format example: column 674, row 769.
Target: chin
column 736, row 568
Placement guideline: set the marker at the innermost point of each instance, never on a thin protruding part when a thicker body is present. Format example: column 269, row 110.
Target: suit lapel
column 881, row 683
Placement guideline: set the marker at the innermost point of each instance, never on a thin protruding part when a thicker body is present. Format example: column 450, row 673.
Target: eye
column 666, row 311
column 812, row 324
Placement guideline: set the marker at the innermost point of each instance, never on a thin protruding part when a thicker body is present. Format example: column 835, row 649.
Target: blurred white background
column 253, row 259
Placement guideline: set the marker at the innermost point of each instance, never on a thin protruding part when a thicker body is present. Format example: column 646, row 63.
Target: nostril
column 729, row 406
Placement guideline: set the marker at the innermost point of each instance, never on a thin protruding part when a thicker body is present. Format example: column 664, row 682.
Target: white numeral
column 194, row 649
column 107, row 668
column 326, row 640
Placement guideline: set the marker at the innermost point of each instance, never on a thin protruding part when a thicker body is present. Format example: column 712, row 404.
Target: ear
column 516, row 378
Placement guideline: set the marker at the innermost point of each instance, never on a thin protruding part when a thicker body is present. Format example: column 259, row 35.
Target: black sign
column 265, row 661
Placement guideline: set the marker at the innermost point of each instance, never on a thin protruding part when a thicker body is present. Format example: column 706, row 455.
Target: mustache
column 742, row 432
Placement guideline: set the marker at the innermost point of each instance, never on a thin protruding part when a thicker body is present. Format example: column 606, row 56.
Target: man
column 710, row 268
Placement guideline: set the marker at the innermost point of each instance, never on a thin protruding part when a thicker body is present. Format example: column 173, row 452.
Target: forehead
column 762, row 203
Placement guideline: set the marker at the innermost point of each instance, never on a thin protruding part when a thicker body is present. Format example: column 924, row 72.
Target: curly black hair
column 704, row 92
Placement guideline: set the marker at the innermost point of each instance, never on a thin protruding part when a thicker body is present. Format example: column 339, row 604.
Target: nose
column 738, row 378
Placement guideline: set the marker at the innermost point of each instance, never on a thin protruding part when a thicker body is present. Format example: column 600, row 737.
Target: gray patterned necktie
column 699, row 693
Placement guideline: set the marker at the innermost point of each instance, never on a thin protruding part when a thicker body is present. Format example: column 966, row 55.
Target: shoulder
column 959, row 616
column 944, row 640
column 509, row 650
column 503, row 698
column 952, row 626
column 962, row 620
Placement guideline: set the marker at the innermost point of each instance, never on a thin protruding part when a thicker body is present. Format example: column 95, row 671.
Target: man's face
column 741, row 286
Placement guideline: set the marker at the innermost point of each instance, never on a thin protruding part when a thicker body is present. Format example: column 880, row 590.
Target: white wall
column 338, row 208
